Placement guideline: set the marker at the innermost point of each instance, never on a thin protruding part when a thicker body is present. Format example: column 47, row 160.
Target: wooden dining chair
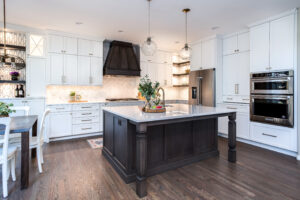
column 36, row 142
column 8, row 155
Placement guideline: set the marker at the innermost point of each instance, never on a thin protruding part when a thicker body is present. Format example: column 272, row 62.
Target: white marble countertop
column 175, row 111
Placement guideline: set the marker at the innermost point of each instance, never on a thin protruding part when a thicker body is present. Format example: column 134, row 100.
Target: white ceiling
column 106, row 17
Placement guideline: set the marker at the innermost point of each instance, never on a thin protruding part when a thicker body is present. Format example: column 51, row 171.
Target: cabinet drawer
column 88, row 113
column 86, row 128
column 60, row 108
column 86, row 107
column 278, row 137
column 86, row 120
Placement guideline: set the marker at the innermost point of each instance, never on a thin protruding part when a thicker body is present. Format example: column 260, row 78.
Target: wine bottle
column 17, row 91
column 21, row 91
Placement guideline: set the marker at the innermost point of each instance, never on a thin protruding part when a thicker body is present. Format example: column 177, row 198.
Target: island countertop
column 174, row 111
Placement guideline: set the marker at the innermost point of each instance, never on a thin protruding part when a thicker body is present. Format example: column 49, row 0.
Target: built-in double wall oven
column 272, row 98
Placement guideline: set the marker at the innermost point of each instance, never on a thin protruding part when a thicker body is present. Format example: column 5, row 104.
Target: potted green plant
column 14, row 75
column 72, row 96
column 5, row 109
column 148, row 90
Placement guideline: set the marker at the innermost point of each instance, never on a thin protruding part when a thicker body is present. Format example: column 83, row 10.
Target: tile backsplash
column 113, row 87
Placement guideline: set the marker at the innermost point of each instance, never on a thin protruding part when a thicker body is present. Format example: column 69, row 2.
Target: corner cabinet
column 74, row 61
column 272, row 44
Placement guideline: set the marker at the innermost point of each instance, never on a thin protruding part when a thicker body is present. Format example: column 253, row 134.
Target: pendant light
column 149, row 46
column 185, row 52
column 6, row 59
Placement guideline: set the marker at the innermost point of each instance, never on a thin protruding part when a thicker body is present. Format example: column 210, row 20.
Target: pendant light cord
column 4, row 24
column 186, row 27
column 149, row 18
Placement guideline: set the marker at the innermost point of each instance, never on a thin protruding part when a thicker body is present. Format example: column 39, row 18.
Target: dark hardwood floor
column 73, row 170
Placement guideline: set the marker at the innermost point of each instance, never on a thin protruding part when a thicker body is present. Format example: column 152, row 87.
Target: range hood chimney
column 122, row 59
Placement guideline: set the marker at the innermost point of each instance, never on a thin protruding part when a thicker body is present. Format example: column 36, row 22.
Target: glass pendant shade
column 149, row 47
column 185, row 52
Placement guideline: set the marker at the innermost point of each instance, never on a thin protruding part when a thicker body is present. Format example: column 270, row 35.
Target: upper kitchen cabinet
column 84, row 70
column 272, row 44
column 90, row 48
column 236, row 43
column 160, row 57
column 259, row 47
column 206, row 54
column 96, row 76
column 282, row 41
column 36, row 44
column 62, row 44
column 196, row 57
column 36, row 77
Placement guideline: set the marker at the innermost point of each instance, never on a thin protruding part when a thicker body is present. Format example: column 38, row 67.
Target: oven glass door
column 272, row 86
column 277, row 109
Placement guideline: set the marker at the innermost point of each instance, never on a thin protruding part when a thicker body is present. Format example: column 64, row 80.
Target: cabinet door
column 196, row 57
column 243, row 73
column 84, row 66
column 70, row 70
column 259, row 48
column 70, row 45
column 84, row 47
column 144, row 68
column 96, row 48
column 282, row 43
column 96, row 71
column 243, row 125
column 169, row 75
column 243, row 42
column 36, row 77
column 230, row 45
column 56, row 68
column 161, row 74
column 60, row 124
column 230, row 65
column 56, row 44
column 152, row 71
column 209, row 54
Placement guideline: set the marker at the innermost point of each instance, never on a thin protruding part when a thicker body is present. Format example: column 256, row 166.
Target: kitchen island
column 139, row 145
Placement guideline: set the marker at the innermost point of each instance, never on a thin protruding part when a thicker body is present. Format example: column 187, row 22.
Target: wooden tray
column 81, row 101
column 161, row 110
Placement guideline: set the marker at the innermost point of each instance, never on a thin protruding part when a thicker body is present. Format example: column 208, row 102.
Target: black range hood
column 122, row 59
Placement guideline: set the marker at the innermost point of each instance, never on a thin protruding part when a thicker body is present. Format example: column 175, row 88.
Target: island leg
column 141, row 160
column 232, row 138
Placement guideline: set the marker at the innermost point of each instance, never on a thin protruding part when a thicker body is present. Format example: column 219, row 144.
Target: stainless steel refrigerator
column 202, row 87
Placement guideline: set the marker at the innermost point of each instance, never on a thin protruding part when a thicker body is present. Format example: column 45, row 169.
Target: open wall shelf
column 13, row 47
column 14, row 82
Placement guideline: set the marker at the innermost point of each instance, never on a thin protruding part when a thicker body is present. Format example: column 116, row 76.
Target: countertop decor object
column 5, row 109
column 148, row 90
column 139, row 144
column 72, row 96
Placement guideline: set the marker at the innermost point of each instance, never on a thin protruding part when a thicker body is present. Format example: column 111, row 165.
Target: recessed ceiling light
column 215, row 28
column 177, row 42
column 78, row 23
column 120, row 31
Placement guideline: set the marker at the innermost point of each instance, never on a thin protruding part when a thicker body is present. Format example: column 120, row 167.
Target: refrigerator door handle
column 199, row 85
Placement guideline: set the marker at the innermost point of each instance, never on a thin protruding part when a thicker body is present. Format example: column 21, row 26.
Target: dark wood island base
column 139, row 150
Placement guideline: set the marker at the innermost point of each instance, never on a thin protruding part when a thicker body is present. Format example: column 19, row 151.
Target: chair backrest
column 42, row 128
column 26, row 109
column 4, row 141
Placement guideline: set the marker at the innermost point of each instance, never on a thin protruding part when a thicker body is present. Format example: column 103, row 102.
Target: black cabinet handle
column 119, row 122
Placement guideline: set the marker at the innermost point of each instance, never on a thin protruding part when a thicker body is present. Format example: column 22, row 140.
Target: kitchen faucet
column 164, row 100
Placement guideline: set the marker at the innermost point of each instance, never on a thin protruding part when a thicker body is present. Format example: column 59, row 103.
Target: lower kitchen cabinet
column 60, row 124
column 242, row 120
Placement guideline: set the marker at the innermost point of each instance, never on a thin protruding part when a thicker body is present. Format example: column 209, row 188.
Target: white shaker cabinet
column 196, row 57
column 259, row 48
column 96, row 76
column 282, row 34
column 36, row 77
column 60, row 124
column 62, row 44
column 209, row 54
column 55, row 68
column 84, row 72
column 243, row 42
column 90, row 48
column 70, row 70
column 235, row 43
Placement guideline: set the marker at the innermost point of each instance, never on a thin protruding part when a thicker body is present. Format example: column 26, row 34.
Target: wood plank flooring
column 73, row 170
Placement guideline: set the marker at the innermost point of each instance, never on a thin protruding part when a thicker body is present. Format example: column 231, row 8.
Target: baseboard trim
column 276, row 149
column 75, row 136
